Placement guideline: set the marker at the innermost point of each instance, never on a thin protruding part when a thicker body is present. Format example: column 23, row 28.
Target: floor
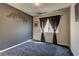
column 34, row 48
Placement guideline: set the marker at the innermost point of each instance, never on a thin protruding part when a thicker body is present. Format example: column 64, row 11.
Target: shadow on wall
column 15, row 26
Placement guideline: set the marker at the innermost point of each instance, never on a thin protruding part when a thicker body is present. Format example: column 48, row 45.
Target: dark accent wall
column 15, row 26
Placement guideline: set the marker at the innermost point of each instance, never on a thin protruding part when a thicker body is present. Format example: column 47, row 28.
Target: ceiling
column 33, row 10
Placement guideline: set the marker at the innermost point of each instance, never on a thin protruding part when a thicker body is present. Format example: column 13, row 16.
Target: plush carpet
column 33, row 48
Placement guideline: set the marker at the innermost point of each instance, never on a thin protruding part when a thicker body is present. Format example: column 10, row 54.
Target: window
column 48, row 28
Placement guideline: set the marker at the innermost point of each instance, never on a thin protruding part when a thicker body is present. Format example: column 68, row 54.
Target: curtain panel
column 54, row 21
column 42, row 25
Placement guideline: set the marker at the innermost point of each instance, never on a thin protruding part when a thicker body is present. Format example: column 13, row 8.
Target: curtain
column 42, row 25
column 54, row 21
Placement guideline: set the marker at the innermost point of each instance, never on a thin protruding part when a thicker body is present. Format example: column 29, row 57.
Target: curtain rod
column 51, row 16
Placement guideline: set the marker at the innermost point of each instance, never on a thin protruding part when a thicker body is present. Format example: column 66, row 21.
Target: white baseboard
column 14, row 46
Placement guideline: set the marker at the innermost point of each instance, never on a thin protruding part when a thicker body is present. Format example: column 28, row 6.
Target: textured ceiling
column 31, row 9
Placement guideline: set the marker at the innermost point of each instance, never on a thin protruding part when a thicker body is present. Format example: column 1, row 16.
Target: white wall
column 64, row 34
column 13, row 30
column 74, row 32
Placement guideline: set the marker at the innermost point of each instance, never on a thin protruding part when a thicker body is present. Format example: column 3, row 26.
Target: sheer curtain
column 42, row 25
column 54, row 21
